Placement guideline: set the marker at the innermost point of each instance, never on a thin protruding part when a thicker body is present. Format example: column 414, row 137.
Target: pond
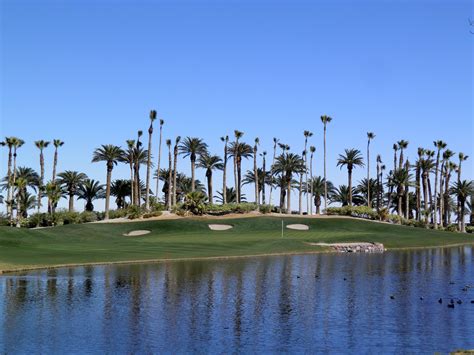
column 384, row 303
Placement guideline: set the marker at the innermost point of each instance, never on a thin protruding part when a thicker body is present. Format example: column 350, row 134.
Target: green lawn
column 191, row 238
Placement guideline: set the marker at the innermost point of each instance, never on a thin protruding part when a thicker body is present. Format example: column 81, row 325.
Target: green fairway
column 191, row 238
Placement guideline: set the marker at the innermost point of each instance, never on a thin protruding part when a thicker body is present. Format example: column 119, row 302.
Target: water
column 271, row 304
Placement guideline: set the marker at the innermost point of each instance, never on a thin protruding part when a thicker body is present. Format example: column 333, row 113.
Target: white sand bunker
column 298, row 227
column 137, row 233
column 220, row 227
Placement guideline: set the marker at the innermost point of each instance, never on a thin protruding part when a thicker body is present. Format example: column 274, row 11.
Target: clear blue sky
column 88, row 72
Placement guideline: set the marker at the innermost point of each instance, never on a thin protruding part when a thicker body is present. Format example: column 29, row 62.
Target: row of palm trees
column 285, row 167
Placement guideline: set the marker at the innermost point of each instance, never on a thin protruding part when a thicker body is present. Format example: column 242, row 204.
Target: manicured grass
column 191, row 238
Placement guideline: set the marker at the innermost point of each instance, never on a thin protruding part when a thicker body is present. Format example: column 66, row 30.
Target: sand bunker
column 220, row 227
column 298, row 227
column 137, row 233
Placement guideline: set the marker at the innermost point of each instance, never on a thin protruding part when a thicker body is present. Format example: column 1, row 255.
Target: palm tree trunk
column 264, row 176
column 306, row 174
column 431, row 199
column 170, row 175
column 132, row 185
column 148, row 169
column 441, row 195
column 368, row 174
column 407, row 194
column 418, row 192
column 271, row 174
column 288, row 197
column 300, row 196
column 461, row 217
column 9, row 182
column 71, row 202
column 325, row 179
column 13, row 182
column 311, row 178
column 209, row 186
column 239, row 179
column 193, row 172
column 349, row 182
column 435, row 209
column 459, row 212
column 235, row 178
column 40, row 187
column 400, row 212
column 255, row 171
column 55, row 162
column 425, row 196
column 159, row 161
column 224, row 176
column 107, row 190
column 175, row 173
column 447, row 211
column 378, row 186
column 317, row 202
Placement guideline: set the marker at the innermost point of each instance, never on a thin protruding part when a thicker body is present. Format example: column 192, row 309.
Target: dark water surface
column 271, row 304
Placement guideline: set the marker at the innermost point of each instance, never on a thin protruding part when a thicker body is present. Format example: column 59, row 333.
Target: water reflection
column 337, row 303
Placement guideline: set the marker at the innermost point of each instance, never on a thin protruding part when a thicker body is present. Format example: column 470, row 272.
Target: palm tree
column 170, row 174
column 257, row 194
column 162, row 122
column 41, row 145
column 54, row 192
column 148, row 164
column 17, row 143
column 300, row 185
column 9, row 141
column 312, row 150
column 192, row 147
column 346, row 196
column 426, row 166
column 316, row 186
column 440, row 145
column 351, row 158
column 111, row 154
column 264, row 178
column 379, row 181
column 370, row 136
column 447, row 155
column 275, row 143
column 129, row 157
column 395, row 149
column 210, row 163
column 136, row 168
column 450, row 167
column 230, row 196
column 175, row 169
column 224, row 168
column 288, row 164
column 26, row 202
column 325, row 120
column 237, row 134
column 307, row 134
column 89, row 191
column 238, row 151
column 462, row 157
column 421, row 152
column 57, row 144
column 366, row 187
column 402, row 145
column 20, row 185
column 71, row 180
column 121, row 189
column 462, row 190
column 401, row 178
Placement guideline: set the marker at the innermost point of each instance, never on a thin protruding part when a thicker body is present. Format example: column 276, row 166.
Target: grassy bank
column 191, row 238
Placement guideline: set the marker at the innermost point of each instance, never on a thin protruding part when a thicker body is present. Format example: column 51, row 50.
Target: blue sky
column 88, row 72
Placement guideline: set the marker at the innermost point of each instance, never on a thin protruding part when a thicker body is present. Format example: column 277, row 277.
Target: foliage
column 194, row 202
column 134, row 212
column 353, row 211
column 265, row 209
column 219, row 210
column 119, row 213
column 152, row 214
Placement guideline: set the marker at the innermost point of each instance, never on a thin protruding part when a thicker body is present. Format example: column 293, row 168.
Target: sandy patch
column 137, row 233
column 298, row 227
column 220, row 227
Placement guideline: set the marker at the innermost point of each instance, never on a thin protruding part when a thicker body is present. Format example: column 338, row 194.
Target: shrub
column 120, row 213
column 134, row 212
column 452, row 228
column 265, row 209
column 87, row 217
column 4, row 221
column 68, row 217
column 470, row 229
column 383, row 214
column 152, row 214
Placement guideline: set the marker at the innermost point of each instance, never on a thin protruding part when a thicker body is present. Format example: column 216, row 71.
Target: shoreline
column 210, row 258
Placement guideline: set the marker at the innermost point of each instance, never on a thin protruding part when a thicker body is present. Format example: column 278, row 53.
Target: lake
column 378, row 303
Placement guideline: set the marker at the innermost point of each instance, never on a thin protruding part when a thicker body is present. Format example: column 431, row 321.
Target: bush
column 452, row 228
column 68, row 217
column 265, row 209
column 87, row 217
column 353, row 211
column 4, row 221
column 470, row 229
column 152, row 214
column 219, row 210
column 134, row 212
column 120, row 213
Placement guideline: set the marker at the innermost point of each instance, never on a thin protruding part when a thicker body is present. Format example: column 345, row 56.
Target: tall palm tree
column 129, row 157
column 421, row 152
column 426, row 166
column 237, row 134
column 370, row 137
column 210, row 163
column 402, row 145
column 224, row 139
column 170, row 174
column 9, row 143
column 72, row 180
column 175, row 170
column 148, row 164
column 462, row 157
column 395, row 149
column 111, row 154
column 162, row 122
column 312, row 150
column 57, row 144
column 275, row 143
column 17, row 143
column 192, row 147
column 462, row 190
column 257, row 194
column 89, row 191
column 447, row 155
column 307, row 134
column 379, row 182
column 300, row 185
column 450, row 167
column 41, row 145
column 325, row 120
column 239, row 150
column 351, row 158
column 439, row 145
column 136, row 168
column 288, row 164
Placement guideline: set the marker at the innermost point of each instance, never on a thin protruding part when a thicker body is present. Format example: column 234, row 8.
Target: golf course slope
column 191, row 238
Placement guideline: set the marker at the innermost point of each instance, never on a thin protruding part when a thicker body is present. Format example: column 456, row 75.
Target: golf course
column 191, row 238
